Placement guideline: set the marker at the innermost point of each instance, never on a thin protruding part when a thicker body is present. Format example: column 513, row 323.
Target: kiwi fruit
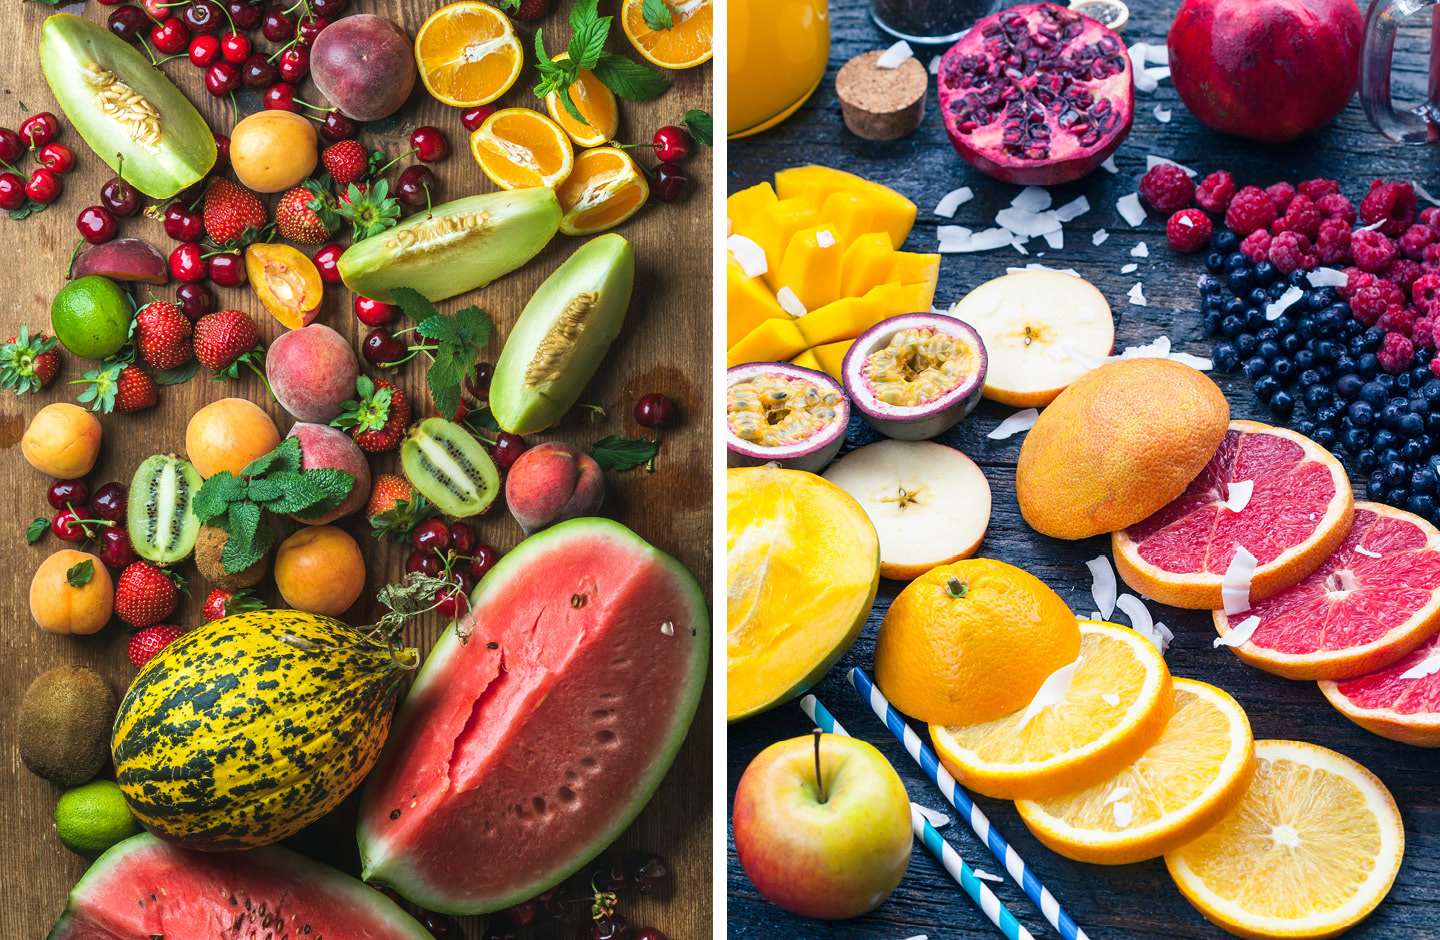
column 161, row 513
column 450, row 468
column 208, row 546
column 64, row 724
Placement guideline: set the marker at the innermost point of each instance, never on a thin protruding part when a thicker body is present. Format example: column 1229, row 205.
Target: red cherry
column 221, row 78
column 171, row 36
column 474, row 117
column 477, row 383
column 122, row 199
column 277, row 25
column 115, row 551
column 462, row 538
column 204, row 49
column 39, row 129
column 187, row 263
column 671, row 144
column 56, row 157
column 66, row 525
column 11, row 146
column 654, row 411
column 670, row 182
column 450, row 603
column 508, row 448
column 183, row 223
column 222, row 147
column 327, row 262
column 280, row 97
column 426, row 563
column 309, row 28
column 415, row 186
column 157, row 10
column 126, row 22
column 235, row 47
column 226, row 268
column 337, row 127
column 294, row 64
column 62, row 493
column 482, row 559
column 258, row 72
column 12, row 191
column 329, row 9
column 109, row 502
column 374, row 312
column 202, row 16
column 96, row 224
column 194, row 300
column 430, row 535
column 44, row 186
column 110, row 3
column 381, row 347
column 429, row 143
column 244, row 15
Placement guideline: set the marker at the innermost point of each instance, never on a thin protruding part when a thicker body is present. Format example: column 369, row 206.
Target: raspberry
column 1404, row 272
column 1435, row 368
column 1425, row 291
column 1336, row 206
column 1249, row 210
column 1188, row 230
column 1355, row 279
column 1370, row 302
column 1333, row 243
column 1398, row 319
column 1431, row 256
column 1392, row 202
column 1281, row 193
column 1413, row 242
column 1301, row 216
column 1317, row 187
column 1256, row 245
column 1396, row 353
column 1423, row 334
column 1291, row 251
column 1167, row 188
column 1430, row 215
column 1373, row 252
column 1216, row 191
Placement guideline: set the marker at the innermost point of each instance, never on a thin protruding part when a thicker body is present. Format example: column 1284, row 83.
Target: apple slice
column 1031, row 321
column 929, row 503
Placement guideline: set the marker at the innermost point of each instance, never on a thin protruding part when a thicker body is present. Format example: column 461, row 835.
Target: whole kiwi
column 64, row 724
column 208, row 546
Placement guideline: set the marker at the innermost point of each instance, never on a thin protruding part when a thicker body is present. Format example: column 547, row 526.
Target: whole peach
column 227, row 435
column 320, row 570
column 62, row 441
column 312, row 371
column 59, row 606
column 553, row 482
column 324, row 446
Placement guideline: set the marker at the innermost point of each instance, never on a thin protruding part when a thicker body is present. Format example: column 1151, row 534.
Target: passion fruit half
column 780, row 413
column 914, row 376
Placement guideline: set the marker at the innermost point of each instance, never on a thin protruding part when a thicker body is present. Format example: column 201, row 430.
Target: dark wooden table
column 1133, row 901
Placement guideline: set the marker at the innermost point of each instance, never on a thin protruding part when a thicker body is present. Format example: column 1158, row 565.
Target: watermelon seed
column 667, row 628
column 395, row 814
column 577, row 600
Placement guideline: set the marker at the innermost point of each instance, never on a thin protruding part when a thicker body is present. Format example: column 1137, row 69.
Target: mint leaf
column 568, row 103
column 265, row 490
column 619, row 453
column 587, row 43
column 34, row 530
column 237, row 558
column 483, row 419
column 439, row 327
column 79, row 575
column 700, row 125
column 475, row 326
column 413, row 302
column 332, row 485
column 444, row 378
column 285, row 455
column 629, row 79
column 582, row 12
column 657, row 15
column 178, row 376
column 216, row 494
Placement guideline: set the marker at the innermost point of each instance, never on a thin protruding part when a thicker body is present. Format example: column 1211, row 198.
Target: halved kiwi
column 161, row 514
column 450, row 468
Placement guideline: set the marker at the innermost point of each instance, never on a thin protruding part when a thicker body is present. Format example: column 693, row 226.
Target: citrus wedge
column 594, row 101
column 1118, row 704
column 1308, row 852
column 685, row 44
column 1275, row 493
column 522, row 149
column 1400, row 702
column 467, row 54
column 604, row 189
column 1183, row 785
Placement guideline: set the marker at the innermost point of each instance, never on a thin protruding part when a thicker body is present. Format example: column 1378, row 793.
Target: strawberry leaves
column 370, row 210
column 460, row 340
column 19, row 367
column 368, row 411
column 101, row 386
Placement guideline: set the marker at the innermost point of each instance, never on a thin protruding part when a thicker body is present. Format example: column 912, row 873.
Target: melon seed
column 559, row 344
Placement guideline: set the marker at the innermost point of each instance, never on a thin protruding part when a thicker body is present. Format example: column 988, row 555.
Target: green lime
column 91, row 316
column 94, row 816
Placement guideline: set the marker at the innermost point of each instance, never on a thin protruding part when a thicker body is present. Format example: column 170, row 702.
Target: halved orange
column 467, row 54
column 683, row 45
column 604, row 189
column 594, row 101
column 522, row 149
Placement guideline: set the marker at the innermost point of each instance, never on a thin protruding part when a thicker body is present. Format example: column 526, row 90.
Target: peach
column 324, row 446
column 364, row 65
column 62, row 441
column 60, row 607
column 551, row 483
column 312, row 371
column 227, row 435
column 271, row 151
column 320, row 570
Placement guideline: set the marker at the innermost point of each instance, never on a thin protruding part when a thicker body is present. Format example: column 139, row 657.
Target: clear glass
column 929, row 22
column 1417, row 125
column 776, row 58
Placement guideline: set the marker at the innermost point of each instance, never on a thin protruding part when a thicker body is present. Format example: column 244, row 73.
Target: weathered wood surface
column 1134, row 901
column 665, row 347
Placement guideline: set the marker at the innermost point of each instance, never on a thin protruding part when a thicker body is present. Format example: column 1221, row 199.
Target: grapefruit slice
column 1400, row 702
column 1297, row 510
column 1374, row 600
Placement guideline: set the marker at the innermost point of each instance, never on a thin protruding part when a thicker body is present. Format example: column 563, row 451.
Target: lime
column 94, row 816
column 91, row 316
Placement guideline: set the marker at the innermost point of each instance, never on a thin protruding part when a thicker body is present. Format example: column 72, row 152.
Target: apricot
column 287, row 283
column 227, row 435
column 272, row 151
column 60, row 607
column 62, row 441
column 551, row 483
column 320, row 570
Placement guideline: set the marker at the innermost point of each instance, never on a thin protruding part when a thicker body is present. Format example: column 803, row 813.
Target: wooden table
column 665, row 347
column 1134, row 901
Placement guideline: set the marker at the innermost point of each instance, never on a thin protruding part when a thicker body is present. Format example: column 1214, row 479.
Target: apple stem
column 819, row 780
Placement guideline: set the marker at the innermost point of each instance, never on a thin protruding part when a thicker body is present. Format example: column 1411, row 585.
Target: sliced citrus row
column 522, row 149
column 685, row 44
column 1185, row 783
column 1117, row 706
column 596, row 104
column 1310, row 851
column 604, row 189
column 1298, row 511
column 1371, row 602
column 1400, row 702
column 467, row 54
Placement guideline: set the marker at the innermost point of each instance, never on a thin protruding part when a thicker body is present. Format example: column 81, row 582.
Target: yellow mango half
column 807, row 360
column 850, row 216
column 893, row 213
column 803, row 566
column 867, row 263
column 743, row 207
column 774, row 340
column 748, row 303
column 831, row 357
column 811, row 267
column 774, row 226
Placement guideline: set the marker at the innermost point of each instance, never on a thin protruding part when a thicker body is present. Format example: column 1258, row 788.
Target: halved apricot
column 286, row 282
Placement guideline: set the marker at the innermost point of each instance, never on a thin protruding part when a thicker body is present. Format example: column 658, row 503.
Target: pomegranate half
column 779, row 413
column 914, row 376
column 1036, row 94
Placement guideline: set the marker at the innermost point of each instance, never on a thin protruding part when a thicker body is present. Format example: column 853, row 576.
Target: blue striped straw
column 930, row 837
column 958, row 798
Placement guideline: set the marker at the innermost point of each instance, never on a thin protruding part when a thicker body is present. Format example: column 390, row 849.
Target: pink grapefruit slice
column 1400, row 702
column 1298, row 508
column 1373, row 601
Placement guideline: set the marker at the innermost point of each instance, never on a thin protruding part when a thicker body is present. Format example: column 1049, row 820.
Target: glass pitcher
column 777, row 55
column 1417, row 125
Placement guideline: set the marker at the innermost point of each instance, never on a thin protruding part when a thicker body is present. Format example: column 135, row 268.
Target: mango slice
column 774, row 226
column 867, row 263
column 850, row 215
column 893, row 213
column 831, row 357
column 807, row 360
column 849, row 317
column 811, row 266
column 774, row 340
column 748, row 303
column 743, row 208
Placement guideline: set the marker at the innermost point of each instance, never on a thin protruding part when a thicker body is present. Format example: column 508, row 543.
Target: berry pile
column 83, row 517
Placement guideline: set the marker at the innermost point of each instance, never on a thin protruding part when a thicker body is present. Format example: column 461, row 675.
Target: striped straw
column 964, row 876
column 958, row 798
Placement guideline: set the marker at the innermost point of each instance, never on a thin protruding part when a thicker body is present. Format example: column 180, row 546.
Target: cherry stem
column 819, row 780
column 396, row 160
column 70, row 268
column 312, row 107
column 283, row 49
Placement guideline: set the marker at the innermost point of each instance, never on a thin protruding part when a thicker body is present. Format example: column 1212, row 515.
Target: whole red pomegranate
column 1268, row 70
column 1036, row 94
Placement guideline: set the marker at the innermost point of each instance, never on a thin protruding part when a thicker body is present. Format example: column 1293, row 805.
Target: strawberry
column 144, row 595
column 306, row 214
column 345, row 161
column 395, row 508
column 233, row 215
column 222, row 602
column 135, row 390
column 378, row 418
column 369, row 209
column 163, row 335
column 28, row 362
column 385, row 491
column 119, row 386
column 151, row 640
column 224, row 338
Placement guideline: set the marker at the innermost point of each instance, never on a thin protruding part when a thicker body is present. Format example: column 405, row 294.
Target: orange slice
column 522, row 149
column 594, row 101
column 604, row 189
column 683, row 45
column 467, row 54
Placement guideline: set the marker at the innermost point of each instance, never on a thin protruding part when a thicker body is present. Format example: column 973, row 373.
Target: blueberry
column 1209, row 285
column 1325, row 437
column 1240, row 280
column 1386, row 379
column 1366, row 460
column 1234, row 306
column 1254, row 319
column 1226, row 357
column 1348, row 386
column 1267, row 349
column 1238, row 261
column 1404, row 381
column 1299, row 279
column 1345, row 364
column 1215, row 262
column 1269, row 332
column 1389, row 416
column 1224, row 241
column 1255, row 367
column 1265, row 387
column 1417, row 405
column 1304, row 426
column 1375, row 485
column 1375, row 335
column 1387, row 455
column 1411, row 426
column 1354, row 440
column 1245, row 344
column 1291, row 343
column 1396, row 473
column 1282, row 368
column 1373, row 393
column 1432, row 423
column 1360, row 414
column 1232, row 326
column 1265, row 272
column 1413, row 451
column 1386, row 438
column 1276, row 290
column 1283, row 325
column 1396, row 496
column 1305, row 328
column 1368, row 365
column 1427, row 443
column 1211, row 321
column 1328, row 350
column 1305, row 361
column 1421, row 504
column 1316, row 396
column 1423, row 480
column 1431, row 390
column 1257, row 298
column 1327, row 417
column 1211, row 301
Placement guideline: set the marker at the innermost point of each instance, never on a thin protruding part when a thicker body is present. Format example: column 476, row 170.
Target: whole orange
column 972, row 641
column 319, row 570
column 227, row 435
column 59, row 606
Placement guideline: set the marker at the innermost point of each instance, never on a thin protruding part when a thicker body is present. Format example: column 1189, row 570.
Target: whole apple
column 832, row 850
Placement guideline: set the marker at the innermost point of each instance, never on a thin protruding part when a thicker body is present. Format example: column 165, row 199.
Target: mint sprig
column 460, row 340
column 588, row 34
column 657, row 15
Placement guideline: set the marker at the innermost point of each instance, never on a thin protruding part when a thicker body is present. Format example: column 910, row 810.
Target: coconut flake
column 1372, row 226
column 1019, row 245
column 1141, row 250
column 953, row 200
column 1362, row 550
column 935, row 64
column 1028, row 223
column 1084, row 358
column 824, row 238
column 893, row 57
column 1328, row 277
column 1240, row 493
column 1287, row 299
column 1235, row 586
column 1102, row 585
column 1427, row 666
column 1424, row 194
column 1032, row 199
column 1099, row 237
column 984, row 875
column 1143, row 82
column 1238, row 635
column 1159, row 348
column 1163, row 634
column 1111, row 698
column 1022, row 420
column 749, row 255
column 1124, row 814
column 1130, row 268
column 1073, row 209
column 1162, row 114
column 1130, row 209
column 790, row 303
column 1119, row 793
column 953, row 231
column 1152, row 160
column 1140, row 620
column 1137, row 295
column 1194, row 362
column 1108, row 164
column 933, row 816
column 1157, row 75
column 1052, row 692
column 1055, row 239
column 988, row 240
column 1037, row 266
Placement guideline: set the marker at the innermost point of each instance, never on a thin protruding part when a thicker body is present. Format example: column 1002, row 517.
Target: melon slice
column 523, row 750
column 145, row 888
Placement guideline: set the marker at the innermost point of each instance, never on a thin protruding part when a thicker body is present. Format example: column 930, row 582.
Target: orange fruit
column 1109, row 451
column 522, row 149
column 1298, row 510
column 604, row 189
column 1396, row 702
column 59, row 606
column 972, row 641
column 685, row 44
column 595, row 102
column 467, row 54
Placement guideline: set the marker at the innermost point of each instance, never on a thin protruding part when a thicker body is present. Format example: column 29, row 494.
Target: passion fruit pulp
column 914, row 376
column 780, row 413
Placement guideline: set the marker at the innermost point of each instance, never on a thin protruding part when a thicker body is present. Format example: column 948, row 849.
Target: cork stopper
column 879, row 103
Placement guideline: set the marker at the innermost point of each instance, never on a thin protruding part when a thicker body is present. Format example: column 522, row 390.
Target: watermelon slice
column 524, row 749
column 144, row 888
